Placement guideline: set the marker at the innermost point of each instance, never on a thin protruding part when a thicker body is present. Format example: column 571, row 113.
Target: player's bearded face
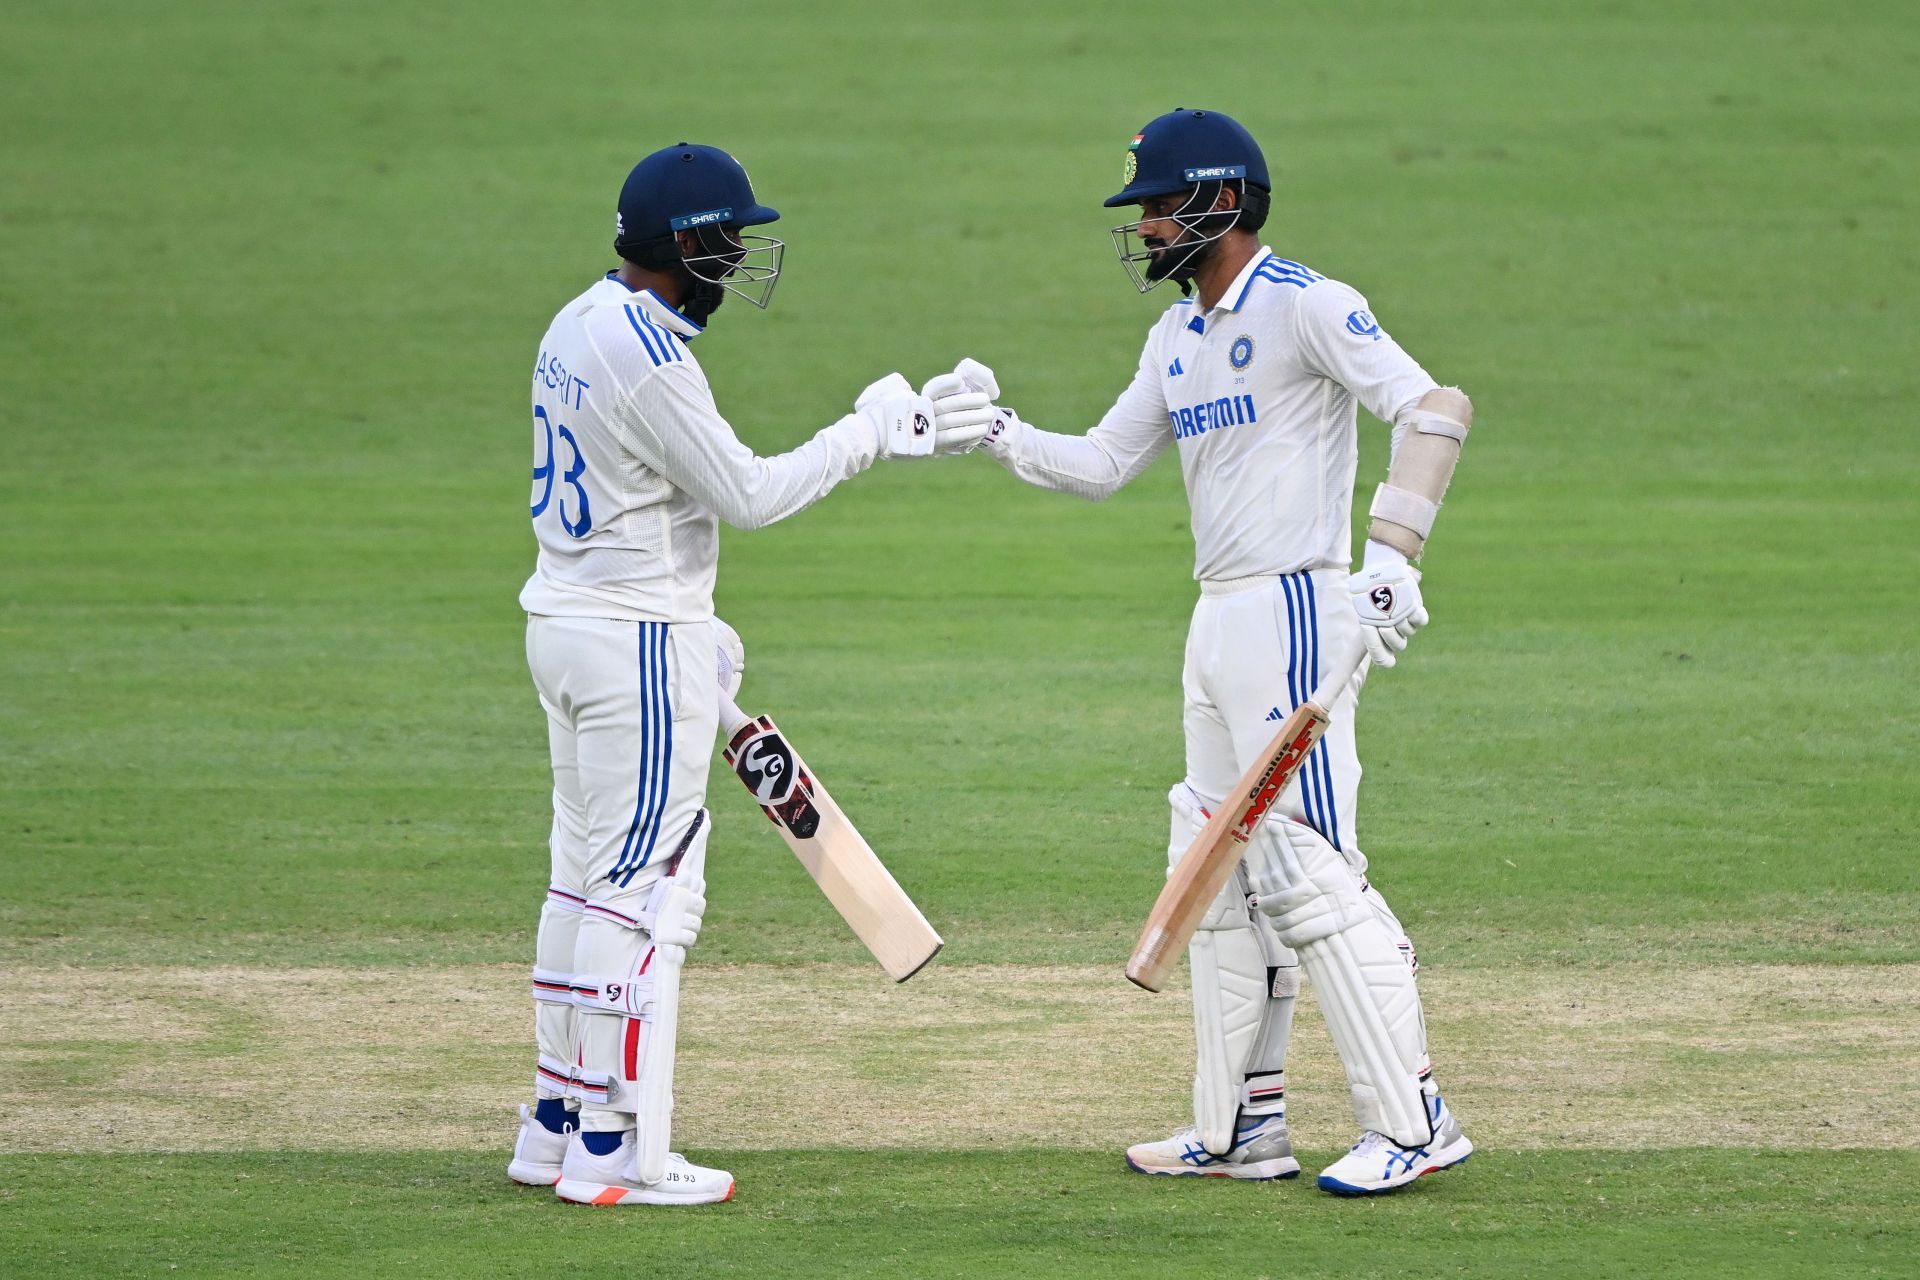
column 1165, row 258
column 721, row 260
column 1178, row 235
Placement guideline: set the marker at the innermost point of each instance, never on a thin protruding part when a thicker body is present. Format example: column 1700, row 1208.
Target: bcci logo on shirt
column 1240, row 354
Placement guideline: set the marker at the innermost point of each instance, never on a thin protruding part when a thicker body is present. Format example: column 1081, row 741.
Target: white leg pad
column 1264, row 1091
column 555, row 1024
column 1234, row 1014
column 628, row 998
column 1363, row 981
column 655, row 1113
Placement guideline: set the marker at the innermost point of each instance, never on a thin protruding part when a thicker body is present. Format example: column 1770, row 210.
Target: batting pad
column 1234, row 1018
column 1362, row 980
column 555, row 1028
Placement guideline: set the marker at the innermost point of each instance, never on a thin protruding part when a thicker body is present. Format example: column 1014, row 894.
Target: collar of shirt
column 657, row 308
column 1236, row 293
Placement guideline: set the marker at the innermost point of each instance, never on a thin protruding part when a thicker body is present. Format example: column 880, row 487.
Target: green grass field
column 270, row 284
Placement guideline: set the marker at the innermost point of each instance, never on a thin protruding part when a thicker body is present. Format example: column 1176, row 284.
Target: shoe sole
column 533, row 1175
column 599, row 1193
column 1264, row 1171
column 1449, row 1157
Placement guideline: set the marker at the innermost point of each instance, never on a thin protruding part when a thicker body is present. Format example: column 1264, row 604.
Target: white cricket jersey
column 1258, row 394
column 633, row 467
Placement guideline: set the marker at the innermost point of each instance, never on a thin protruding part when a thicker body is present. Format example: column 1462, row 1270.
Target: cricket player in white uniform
column 633, row 469
column 1255, row 382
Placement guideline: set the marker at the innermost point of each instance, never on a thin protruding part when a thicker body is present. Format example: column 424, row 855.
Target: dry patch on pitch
column 310, row 1059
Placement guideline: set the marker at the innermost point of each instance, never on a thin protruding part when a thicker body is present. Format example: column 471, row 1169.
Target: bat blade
column 1204, row 868
column 831, row 848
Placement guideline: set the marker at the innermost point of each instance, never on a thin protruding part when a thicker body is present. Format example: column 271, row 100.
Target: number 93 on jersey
column 565, row 470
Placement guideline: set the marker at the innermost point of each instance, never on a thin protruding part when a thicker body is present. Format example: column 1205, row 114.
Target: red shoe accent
column 612, row 1195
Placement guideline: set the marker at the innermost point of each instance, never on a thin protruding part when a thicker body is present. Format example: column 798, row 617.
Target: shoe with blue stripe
column 1261, row 1151
column 1377, row 1164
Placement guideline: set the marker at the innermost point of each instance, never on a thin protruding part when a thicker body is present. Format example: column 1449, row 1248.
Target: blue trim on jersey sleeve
column 1277, row 270
column 633, row 318
column 661, row 334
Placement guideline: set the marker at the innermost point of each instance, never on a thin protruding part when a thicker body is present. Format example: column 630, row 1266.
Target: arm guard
column 1404, row 507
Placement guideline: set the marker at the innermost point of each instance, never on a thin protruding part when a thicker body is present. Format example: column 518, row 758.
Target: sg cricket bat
column 861, row 889
column 1203, row 869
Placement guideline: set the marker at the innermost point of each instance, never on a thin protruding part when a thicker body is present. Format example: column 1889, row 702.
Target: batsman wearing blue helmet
column 633, row 469
column 1253, row 377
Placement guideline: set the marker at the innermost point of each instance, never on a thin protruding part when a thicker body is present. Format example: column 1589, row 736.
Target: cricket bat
column 1204, row 868
column 834, row 853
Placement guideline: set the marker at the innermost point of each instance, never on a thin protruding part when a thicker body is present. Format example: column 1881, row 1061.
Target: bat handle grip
column 1328, row 691
column 731, row 717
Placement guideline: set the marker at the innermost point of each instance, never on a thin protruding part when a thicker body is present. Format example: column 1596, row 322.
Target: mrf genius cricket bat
column 1203, row 869
column 860, row 888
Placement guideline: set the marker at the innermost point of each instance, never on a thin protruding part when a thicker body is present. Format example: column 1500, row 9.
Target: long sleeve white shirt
column 633, row 466
column 1259, row 396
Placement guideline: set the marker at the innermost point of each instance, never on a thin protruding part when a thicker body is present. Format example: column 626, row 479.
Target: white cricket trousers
column 632, row 708
column 1255, row 649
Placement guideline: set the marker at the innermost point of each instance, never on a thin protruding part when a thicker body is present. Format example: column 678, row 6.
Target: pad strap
column 1264, row 1095
column 552, row 1078
column 632, row 997
column 593, row 1088
column 1405, row 508
column 550, row 986
column 1435, row 423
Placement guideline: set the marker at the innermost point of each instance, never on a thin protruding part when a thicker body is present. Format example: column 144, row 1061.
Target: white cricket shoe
column 1261, row 1151
column 586, row 1178
column 1378, row 1164
column 537, row 1152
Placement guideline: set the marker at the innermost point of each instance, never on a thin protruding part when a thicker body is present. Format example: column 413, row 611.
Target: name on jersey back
column 553, row 375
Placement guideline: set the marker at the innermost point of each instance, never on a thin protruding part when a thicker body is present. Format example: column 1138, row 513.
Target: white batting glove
column 1004, row 420
column 676, row 918
column 962, row 406
column 902, row 420
column 731, row 657
column 674, row 910
column 1386, row 595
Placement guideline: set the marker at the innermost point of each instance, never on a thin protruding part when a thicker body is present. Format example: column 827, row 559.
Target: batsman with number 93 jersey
column 633, row 468
column 1254, row 380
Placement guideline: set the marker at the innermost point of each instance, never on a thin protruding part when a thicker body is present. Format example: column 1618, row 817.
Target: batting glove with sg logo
column 962, row 406
column 902, row 421
column 1386, row 595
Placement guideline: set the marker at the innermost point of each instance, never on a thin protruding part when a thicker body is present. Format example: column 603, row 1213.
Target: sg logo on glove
column 1382, row 598
column 921, row 425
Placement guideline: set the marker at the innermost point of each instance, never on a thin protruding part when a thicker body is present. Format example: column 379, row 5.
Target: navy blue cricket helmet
column 1184, row 148
column 1199, row 153
column 703, row 190
column 684, row 186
